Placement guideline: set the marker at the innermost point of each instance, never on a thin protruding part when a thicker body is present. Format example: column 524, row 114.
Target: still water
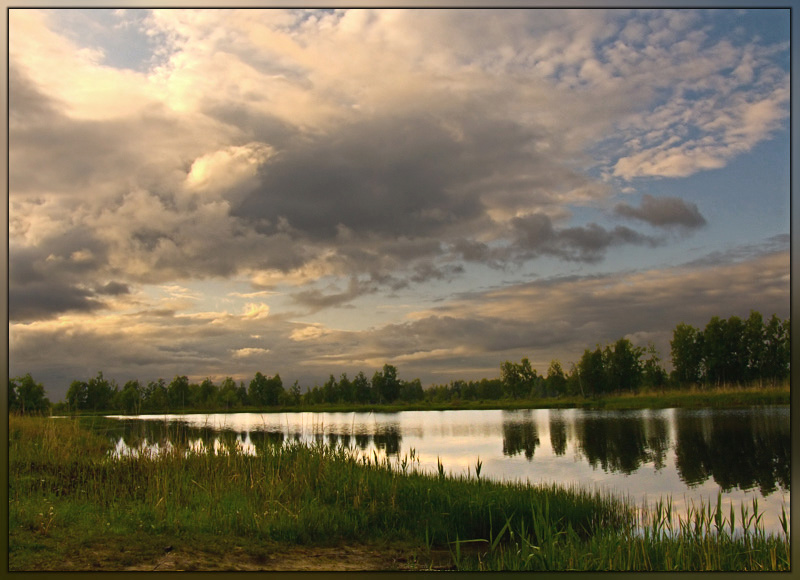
column 690, row 455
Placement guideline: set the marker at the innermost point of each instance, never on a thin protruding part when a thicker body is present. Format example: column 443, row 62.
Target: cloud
column 324, row 158
column 663, row 212
column 469, row 334
column 114, row 289
column 249, row 352
column 535, row 235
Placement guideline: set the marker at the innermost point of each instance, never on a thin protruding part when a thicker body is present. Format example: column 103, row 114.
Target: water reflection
column 622, row 442
column 735, row 449
column 744, row 449
column 520, row 435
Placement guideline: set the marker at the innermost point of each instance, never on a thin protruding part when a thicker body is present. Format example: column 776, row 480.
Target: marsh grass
column 68, row 491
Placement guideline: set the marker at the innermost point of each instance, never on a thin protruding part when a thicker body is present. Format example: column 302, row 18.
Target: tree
column 518, row 379
column 28, row 395
column 258, row 390
column 624, row 369
column 77, row 394
column 294, row 394
column 361, row 388
column 777, row 356
column 178, row 392
column 592, row 373
column 653, row 374
column 130, row 398
column 274, row 390
column 411, row 391
column 556, row 381
column 241, row 394
column 687, row 354
column 155, row 395
column 755, row 347
column 99, row 393
column 207, row 393
column 228, row 395
column 385, row 385
column 345, row 389
column 330, row 390
column 491, row 389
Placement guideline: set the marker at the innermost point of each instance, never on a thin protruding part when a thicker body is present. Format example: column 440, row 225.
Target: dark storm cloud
column 663, row 212
column 54, row 277
column 43, row 300
column 535, row 235
column 405, row 176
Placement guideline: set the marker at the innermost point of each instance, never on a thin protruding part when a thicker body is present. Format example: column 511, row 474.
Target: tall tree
column 29, row 395
column 592, row 372
column 207, row 393
column 556, row 381
column 77, row 395
column 687, row 353
column 228, row 393
column 755, row 347
column 178, row 392
column 653, row 374
column 361, row 388
column 778, row 354
column 130, row 398
column 518, row 379
column 99, row 393
column 385, row 385
column 155, row 395
column 624, row 369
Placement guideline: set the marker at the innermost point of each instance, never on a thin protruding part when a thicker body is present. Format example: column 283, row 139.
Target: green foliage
column 731, row 351
column 518, row 379
column 26, row 395
column 687, row 353
column 265, row 391
column 178, row 392
column 556, row 380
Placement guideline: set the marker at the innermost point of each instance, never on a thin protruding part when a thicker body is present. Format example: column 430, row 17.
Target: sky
column 214, row 192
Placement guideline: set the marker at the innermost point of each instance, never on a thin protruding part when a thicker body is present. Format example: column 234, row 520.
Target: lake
column 690, row 455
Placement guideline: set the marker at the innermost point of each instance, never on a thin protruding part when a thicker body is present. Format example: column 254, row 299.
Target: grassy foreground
column 73, row 507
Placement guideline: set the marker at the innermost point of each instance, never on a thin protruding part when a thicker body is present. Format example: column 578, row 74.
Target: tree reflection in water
column 558, row 432
column 519, row 436
column 618, row 445
column 745, row 448
column 735, row 449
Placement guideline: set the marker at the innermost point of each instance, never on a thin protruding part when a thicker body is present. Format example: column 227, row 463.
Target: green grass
column 67, row 496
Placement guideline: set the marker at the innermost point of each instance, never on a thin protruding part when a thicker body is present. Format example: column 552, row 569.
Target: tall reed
column 66, row 484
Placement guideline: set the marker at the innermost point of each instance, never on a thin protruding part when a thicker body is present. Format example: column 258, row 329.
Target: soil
column 294, row 558
column 227, row 556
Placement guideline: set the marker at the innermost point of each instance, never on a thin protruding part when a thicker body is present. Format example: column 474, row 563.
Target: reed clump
column 67, row 490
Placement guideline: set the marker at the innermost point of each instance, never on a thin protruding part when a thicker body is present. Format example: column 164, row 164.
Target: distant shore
column 695, row 398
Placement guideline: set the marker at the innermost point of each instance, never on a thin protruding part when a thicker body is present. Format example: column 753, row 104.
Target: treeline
column 726, row 351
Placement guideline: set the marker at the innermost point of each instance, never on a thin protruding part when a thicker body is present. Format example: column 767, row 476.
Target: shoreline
column 722, row 397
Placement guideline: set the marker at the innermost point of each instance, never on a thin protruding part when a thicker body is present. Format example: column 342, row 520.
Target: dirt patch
column 291, row 559
column 143, row 552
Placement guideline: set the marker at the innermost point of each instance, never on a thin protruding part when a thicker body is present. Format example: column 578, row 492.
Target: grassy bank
column 71, row 506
